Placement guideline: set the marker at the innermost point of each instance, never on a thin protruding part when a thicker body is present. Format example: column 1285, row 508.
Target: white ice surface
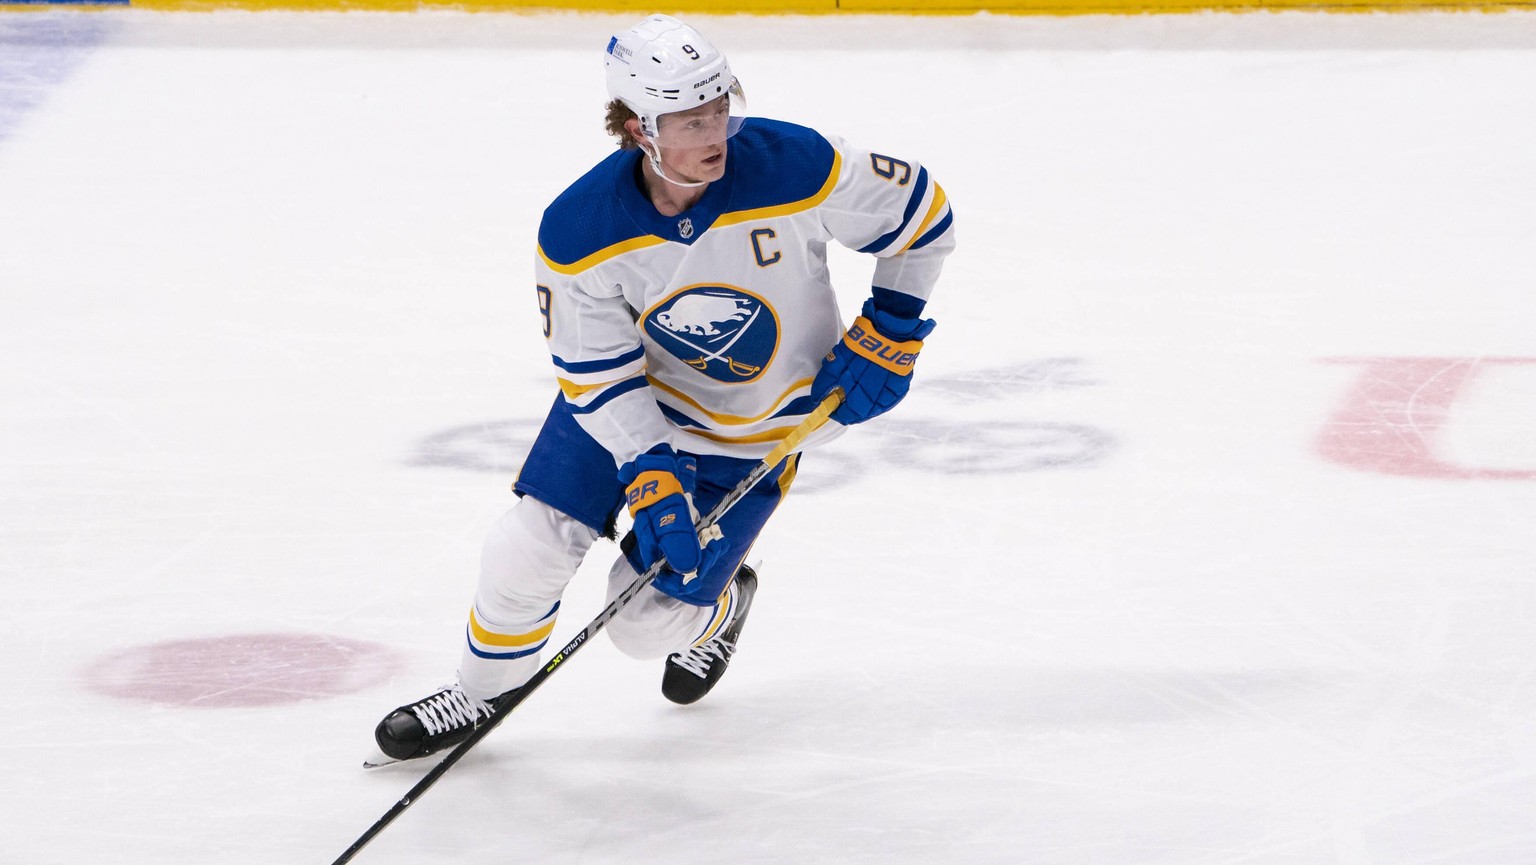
column 1091, row 596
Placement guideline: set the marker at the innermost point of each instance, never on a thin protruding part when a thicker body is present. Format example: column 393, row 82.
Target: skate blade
column 378, row 759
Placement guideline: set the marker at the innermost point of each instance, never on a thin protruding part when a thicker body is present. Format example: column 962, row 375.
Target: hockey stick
column 512, row 699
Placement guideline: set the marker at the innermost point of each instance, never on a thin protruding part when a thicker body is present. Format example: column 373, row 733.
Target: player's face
column 693, row 141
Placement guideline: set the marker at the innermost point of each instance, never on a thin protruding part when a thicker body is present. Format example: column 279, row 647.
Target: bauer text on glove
column 659, row 488
column 872, row 363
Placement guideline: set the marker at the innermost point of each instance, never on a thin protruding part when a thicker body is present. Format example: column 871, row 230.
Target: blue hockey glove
column 872, row 364
column 703, row 588
column 659, row 489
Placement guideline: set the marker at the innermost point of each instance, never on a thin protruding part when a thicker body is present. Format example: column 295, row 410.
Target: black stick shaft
column 512, row 699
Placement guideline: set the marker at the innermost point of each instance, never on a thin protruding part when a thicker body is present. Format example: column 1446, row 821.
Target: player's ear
column 632, row 126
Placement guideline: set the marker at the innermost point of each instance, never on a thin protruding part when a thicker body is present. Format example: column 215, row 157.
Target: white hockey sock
column 498, row 658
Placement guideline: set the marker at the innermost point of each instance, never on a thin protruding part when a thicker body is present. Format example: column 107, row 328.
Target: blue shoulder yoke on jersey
column 587, row 223
column 772, row 168
column 778, row 165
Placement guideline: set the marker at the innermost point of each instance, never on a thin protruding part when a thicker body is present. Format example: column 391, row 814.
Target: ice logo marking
column 723, row 332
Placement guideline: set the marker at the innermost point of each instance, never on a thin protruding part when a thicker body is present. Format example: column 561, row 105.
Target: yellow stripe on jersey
column 602, row 255
column 731, row 419
column 574, row 391
column 777, row 434
column 934, row 209
column 740, row 216
column 493, row 639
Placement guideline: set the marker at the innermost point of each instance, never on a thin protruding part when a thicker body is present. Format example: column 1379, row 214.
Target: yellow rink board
column 782, row 7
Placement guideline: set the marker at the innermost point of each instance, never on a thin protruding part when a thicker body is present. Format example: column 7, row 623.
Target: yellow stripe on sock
column 494, row 639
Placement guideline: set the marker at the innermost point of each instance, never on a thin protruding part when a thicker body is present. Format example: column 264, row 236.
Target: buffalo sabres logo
column 723, row 332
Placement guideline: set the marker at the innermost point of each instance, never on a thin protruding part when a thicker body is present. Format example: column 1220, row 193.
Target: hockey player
column 687, row 304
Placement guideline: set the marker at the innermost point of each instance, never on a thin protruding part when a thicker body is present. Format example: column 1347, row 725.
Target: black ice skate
column 691, row 674
column 433, row 724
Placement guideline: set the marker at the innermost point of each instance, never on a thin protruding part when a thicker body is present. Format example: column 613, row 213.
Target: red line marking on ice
column 241, row 670
column 1390, row 420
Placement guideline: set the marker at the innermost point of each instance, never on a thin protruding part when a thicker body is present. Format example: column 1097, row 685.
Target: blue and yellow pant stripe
column 725, row 610
column 727, row 603
column 499, row 645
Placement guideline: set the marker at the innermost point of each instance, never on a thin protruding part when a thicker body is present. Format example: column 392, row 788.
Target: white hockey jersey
column 705, row 329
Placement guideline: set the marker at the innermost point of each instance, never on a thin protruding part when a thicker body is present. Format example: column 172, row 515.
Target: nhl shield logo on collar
column 724, row 332
column 685, row 227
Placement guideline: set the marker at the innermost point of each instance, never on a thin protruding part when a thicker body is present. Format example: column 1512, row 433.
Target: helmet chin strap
column 653, row 153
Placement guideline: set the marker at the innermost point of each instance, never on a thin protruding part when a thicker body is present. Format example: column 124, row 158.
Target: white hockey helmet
column 662, row 66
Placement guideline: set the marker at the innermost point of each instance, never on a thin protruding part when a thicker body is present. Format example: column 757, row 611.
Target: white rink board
column 1204, row 538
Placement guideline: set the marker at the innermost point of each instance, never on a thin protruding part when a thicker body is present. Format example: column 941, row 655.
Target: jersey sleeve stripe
column 734, row 217
column 607, row 364
column 919, row 190
column 936, row 232
column 574, row 392
column 602, row 255
column 677, row 418
column 940, row 204
column 607, row 395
